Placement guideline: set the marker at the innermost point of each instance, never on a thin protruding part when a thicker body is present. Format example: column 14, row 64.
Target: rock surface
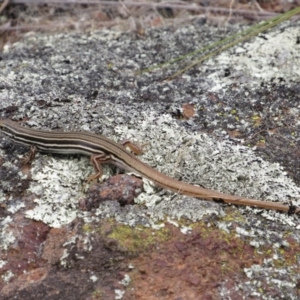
column 230, row 124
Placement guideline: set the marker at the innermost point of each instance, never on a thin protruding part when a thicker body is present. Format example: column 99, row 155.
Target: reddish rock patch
column 193, row 266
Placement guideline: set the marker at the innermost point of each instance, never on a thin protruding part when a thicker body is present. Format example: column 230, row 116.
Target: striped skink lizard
column 103, row 150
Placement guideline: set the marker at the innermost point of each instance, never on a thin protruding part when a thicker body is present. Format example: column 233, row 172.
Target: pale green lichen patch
column 15, row 207
column 2, row 263
column 57, row 186
column 126, row 280
column 267, row 60
column 6, row 236
column 7, row 276
column 119, row 294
